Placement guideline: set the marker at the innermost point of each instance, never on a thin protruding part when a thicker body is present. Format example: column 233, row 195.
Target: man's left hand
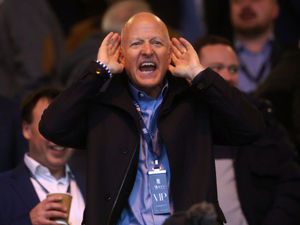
column 185, row 59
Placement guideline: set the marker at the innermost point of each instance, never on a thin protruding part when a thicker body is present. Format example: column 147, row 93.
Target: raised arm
column 234, row 120
column 65, row 120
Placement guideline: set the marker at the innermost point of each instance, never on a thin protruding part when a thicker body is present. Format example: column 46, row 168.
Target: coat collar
column 118, row 93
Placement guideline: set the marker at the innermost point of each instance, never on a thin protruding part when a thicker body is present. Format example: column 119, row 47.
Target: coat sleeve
column 268, row 178
column 65, row 120
column 235, row 121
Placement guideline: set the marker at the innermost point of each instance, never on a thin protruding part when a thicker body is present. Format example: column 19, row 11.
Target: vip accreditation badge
column 159, row 191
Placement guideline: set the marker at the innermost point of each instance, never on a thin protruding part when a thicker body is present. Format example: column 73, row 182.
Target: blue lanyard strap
column 151, row 139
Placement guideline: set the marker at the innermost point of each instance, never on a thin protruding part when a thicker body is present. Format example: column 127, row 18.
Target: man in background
column 267, row 68
column 24, row 190
column 257, row 183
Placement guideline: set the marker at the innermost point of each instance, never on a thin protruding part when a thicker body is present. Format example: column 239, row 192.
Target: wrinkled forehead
column 251, row 1
column 144, row 22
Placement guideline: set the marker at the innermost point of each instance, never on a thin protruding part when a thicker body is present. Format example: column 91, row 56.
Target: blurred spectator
column 117, row 14
column 13, row 144
column 113, row 20
column 253, row 24
column 32, row 47
column 257, row 183
column 264, row 62
column 282, row 88
column 23, row 191
column 287, row 29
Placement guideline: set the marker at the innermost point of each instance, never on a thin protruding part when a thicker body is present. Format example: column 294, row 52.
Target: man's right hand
column 46, row 209
column 109, row 52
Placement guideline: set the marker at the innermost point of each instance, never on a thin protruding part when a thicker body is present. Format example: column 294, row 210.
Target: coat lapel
column 22, row 185
column 117, row 95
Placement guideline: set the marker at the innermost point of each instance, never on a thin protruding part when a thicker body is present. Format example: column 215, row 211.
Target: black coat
column 282, row 88
column 98, row 113
column 267, row 178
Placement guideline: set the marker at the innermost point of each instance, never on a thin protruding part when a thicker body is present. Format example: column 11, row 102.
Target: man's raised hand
column 109, row 52
column 185, row 59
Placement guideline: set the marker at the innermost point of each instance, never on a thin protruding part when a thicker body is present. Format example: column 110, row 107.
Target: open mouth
column 247, row 15
column 57, row 148
column 147, row 67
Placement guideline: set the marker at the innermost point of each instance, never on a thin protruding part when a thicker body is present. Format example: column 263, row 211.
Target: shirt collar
column 140, row 95
column 39, row 170
column 241, row 48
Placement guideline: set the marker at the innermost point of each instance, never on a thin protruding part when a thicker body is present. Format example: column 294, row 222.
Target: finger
column 56, row 214
column 180, row 46
column 174, row 59
column 52, row 199
column 114, row 39
column 175, row 51
column 117, row 53
column 115, row 47
column 186, row 44
column 108, row 37
column 55, row 206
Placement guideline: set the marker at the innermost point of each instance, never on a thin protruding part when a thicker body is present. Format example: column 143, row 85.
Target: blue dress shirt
column 139, row 210
column 254, row 63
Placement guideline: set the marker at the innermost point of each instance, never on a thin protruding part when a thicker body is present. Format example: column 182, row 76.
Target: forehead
column 148, row 27
column 220, row 53
column 252, row 1
column 40, row 106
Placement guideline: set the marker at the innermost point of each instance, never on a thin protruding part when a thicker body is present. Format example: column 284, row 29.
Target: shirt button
column 107, row 197
column 124, row 151
column 141, row 95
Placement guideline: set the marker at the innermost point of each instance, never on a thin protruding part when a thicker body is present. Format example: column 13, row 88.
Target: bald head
column 144, row 18
column 146, row 52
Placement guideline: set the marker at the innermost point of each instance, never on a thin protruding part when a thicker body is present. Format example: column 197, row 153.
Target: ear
column 276, row 10
column 121, row 57
column 26, row 130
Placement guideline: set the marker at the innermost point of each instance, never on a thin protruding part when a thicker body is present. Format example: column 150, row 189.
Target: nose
column 147, row 49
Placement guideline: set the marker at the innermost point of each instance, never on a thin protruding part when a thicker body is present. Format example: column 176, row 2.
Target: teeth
column 58, row 148
column 148, row 64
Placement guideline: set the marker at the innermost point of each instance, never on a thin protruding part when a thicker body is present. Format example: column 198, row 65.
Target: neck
column 58, row 173
column 153, row 92
column 255, row 43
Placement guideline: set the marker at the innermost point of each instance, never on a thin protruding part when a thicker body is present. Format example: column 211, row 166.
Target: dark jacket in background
column 282, row 88
column 267, row 175
column 12, row 143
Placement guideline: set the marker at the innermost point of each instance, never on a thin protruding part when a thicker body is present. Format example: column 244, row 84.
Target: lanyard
column 44, row 189
column 254, row 79
column 151, row 139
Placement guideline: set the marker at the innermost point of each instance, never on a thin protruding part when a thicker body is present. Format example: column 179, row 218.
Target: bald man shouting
column 148, row 112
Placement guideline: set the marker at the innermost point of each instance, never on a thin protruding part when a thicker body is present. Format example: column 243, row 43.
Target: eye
column 233, row 69
column 136, row 43
column 217, row 68
column 156, row 42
